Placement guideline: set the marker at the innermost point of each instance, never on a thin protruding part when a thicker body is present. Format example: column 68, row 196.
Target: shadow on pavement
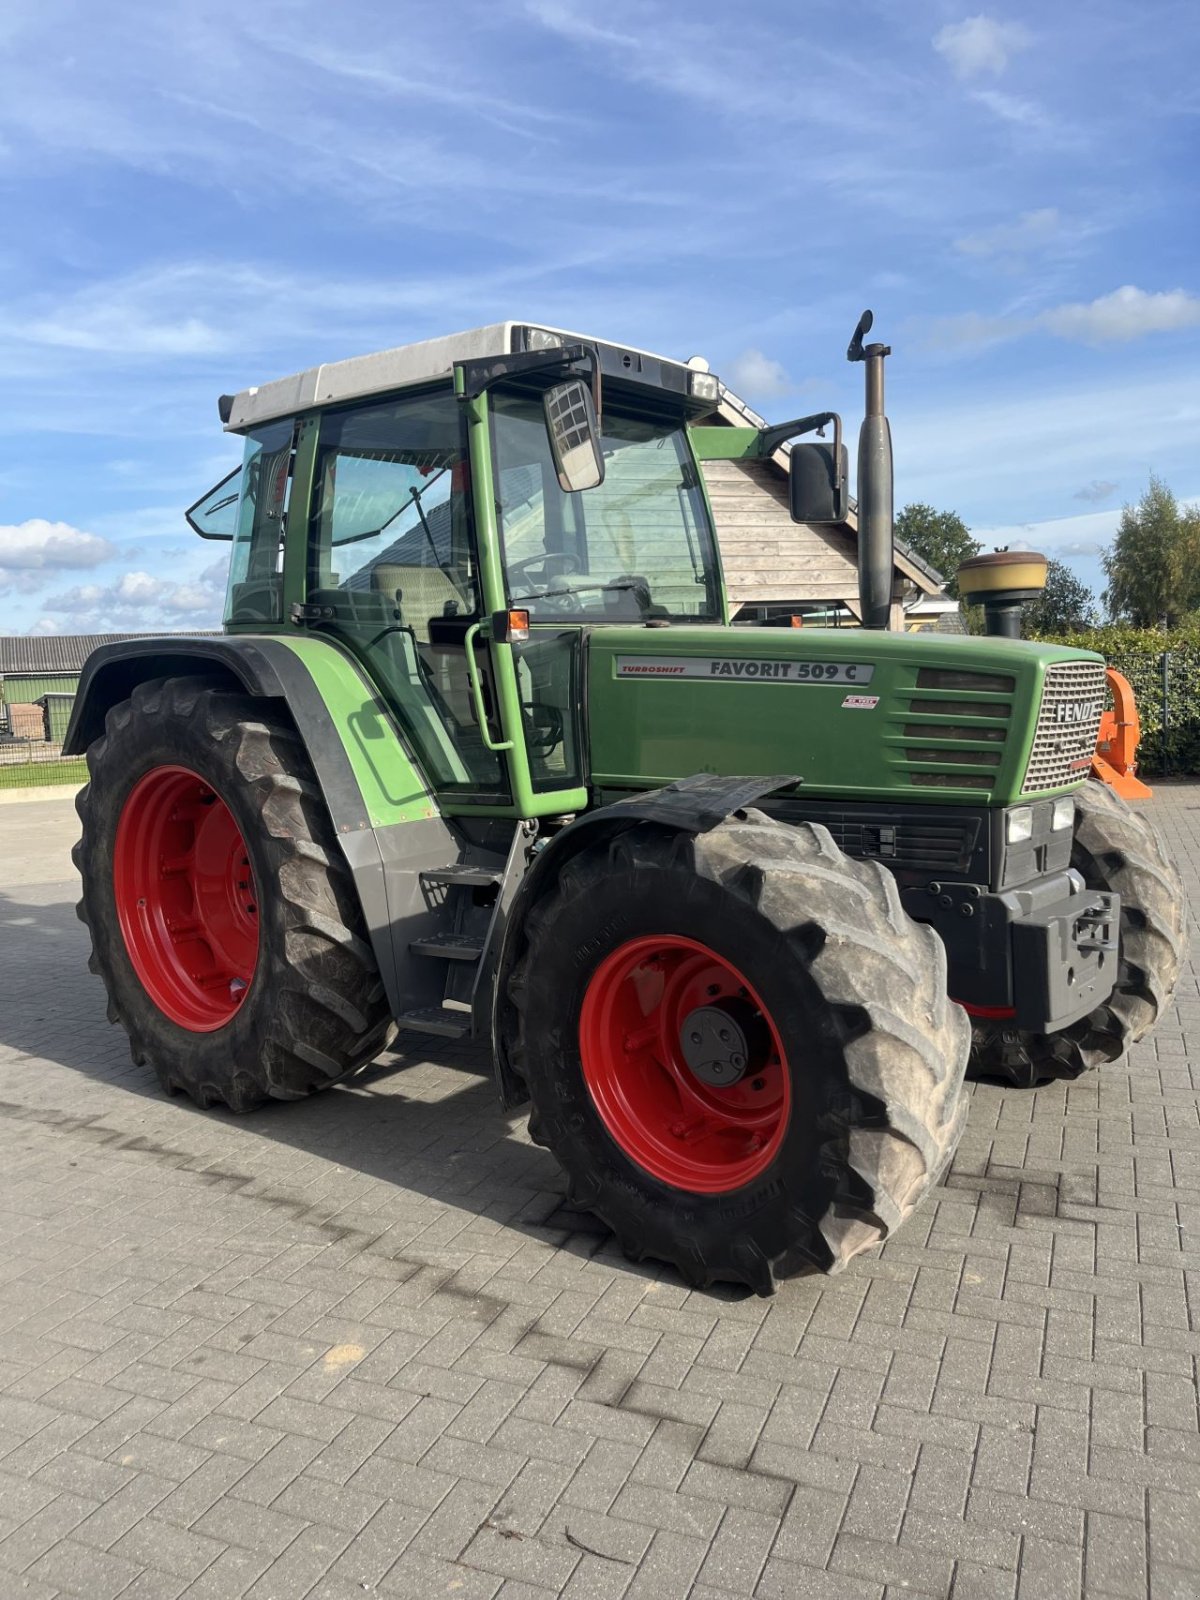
column 445, row 1137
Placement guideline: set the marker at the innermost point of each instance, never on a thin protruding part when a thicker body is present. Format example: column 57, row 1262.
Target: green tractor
column 478, row 754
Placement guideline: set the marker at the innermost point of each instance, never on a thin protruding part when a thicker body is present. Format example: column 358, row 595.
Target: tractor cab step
column 451, row 946
column 461, row 873
column 441, row 1020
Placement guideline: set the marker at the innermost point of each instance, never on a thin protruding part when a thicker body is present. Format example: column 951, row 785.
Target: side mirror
column 574, row 436
column 819, row 482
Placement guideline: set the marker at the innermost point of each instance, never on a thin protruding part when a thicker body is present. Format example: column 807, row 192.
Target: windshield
column 638, row 546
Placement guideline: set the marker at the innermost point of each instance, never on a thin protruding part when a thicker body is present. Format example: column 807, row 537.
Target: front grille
column 953, row 678
column 941, row 844
column 1067, row 725
column 938, row 743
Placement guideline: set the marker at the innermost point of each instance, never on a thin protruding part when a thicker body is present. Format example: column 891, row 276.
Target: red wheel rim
column 186, row 898
column 670, row 1117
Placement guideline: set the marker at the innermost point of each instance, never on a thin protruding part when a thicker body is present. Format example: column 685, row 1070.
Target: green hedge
column 1138, row 653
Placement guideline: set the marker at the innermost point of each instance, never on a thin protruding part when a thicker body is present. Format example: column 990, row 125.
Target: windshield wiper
column 639, row 589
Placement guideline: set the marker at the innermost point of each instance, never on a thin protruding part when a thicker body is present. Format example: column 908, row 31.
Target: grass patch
column 42, row 774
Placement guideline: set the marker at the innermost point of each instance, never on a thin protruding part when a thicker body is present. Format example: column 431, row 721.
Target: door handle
column 495, row 745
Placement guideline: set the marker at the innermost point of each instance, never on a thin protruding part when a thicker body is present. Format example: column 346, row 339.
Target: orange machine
column 1115, row 760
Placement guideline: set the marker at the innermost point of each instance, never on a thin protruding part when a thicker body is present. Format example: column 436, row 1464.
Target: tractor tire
column 223, row 917
column 1117, row 848
column 833, row 1110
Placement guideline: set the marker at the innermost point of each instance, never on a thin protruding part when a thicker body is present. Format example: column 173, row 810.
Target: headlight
column 542, row 339
column 704, row 386
column 1063, row 815
column 1018, row 824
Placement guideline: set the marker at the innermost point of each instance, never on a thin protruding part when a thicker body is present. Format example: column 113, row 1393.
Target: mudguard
column 387, row 820
column 689, row 805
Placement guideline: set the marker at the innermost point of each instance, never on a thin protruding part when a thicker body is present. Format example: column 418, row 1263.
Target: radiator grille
column 941, row 845
column 1067, row 725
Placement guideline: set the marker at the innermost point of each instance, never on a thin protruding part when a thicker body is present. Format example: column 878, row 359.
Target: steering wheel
column 564, row 561
column 543, row 728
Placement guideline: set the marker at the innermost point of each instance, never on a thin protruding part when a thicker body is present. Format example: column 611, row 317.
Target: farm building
column 39, row 675
column 772, row 562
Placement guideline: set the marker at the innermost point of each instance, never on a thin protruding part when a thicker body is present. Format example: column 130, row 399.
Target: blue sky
column 200, row 198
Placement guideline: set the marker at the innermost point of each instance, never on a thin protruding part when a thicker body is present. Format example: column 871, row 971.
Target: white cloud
column 979, row 45
column 1021, row 113
column 139, row 600
column 1127, row 313
column 38, row 545
column 1079, row 541
column 759, row 376
column 971, row 330
column 1033, row 230
column 1099, row 489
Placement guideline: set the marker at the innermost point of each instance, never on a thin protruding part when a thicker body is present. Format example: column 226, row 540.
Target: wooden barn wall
column 765, row 554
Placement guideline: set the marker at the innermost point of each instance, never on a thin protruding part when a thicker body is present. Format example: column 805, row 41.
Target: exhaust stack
column 876, row 559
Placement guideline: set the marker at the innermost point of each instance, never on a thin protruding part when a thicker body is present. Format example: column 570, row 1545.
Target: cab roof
column 410, row 365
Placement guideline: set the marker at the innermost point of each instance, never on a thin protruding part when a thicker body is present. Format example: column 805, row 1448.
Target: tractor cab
column 458, row 515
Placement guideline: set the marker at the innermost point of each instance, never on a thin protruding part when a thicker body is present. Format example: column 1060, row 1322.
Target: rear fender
column 387, row 820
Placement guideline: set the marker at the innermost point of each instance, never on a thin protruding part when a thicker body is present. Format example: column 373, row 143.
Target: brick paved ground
column 361, row 1345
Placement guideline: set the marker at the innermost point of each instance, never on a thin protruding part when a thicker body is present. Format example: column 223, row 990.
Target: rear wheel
column 1117, row 848
column 739, row 1047
column 223, row 918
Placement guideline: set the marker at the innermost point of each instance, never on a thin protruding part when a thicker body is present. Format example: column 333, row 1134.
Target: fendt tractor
column 479, row 754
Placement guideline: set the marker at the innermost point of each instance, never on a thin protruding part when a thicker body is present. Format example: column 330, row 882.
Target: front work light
column 1063, row 815
column 542, row 339
column 704, row 386
column 1018, row 824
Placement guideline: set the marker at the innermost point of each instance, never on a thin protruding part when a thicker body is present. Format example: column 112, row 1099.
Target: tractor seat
column 424, row 592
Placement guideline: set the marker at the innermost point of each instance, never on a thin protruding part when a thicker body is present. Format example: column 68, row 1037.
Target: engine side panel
column 857, row 714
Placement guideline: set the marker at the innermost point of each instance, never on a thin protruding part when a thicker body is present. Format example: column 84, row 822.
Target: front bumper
column 1036, row 958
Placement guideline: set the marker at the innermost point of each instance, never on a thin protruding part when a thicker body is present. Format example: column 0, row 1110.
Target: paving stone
column 79, row 1569
column 153, row 1543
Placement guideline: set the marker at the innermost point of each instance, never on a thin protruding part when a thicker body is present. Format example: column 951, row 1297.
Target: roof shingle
column 30, row 653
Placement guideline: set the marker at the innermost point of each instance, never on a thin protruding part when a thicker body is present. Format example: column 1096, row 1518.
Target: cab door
column 393, row 574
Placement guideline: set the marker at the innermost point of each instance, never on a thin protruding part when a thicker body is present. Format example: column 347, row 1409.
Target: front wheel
column 224, row 921
column 739, row 1047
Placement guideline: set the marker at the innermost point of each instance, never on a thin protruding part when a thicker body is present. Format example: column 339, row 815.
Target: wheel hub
column 714, row 1046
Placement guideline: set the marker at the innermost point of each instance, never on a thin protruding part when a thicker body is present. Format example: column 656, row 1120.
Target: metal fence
column 1166, row 687
column 38, row 763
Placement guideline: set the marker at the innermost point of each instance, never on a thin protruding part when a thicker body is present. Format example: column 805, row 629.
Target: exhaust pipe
column 876, row 557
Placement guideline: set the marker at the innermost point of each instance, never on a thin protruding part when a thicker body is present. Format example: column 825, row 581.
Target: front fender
column 689, row 805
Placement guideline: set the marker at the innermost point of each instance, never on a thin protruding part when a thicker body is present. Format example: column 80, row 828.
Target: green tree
column 940, row 537
column 1153, row 579
column 1066, row 605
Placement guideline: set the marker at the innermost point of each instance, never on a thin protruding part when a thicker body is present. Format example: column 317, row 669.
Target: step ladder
column 461, row 945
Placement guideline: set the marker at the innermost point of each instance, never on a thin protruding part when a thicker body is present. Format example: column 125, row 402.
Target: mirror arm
column 780, row 432
column 473, row 378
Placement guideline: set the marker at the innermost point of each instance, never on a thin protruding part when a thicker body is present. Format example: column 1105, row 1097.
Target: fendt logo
column 1067, row 712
